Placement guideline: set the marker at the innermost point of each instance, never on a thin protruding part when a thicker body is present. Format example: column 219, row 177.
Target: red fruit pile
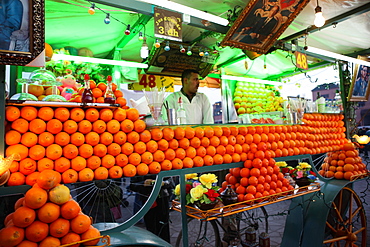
column 259, row 177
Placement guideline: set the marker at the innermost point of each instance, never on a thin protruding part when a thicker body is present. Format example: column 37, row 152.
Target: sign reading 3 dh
column 167, row 24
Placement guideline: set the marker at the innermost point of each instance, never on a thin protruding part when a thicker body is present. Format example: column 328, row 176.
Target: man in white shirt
column 197, row 106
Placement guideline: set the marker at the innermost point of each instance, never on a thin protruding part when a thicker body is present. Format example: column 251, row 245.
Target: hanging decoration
column 107, row 19
column 157, row 44
column 141, row 36
column 201, row 53
column 189, row 53
column 127, row 31
column 167, row 47
column 182, row 49
column 91, row 10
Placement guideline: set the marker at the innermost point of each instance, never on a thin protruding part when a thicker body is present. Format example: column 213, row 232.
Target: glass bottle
column 338, row 101
column 290, row 179
column 180, row 113
column 87, row 95
column 109, row 96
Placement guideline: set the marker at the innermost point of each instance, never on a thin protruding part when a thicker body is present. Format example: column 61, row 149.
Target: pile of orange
column 81, row 144
column 343, row 164
column 98, row 91
column 259, row 177
column 84, row 144
column 47, row 217
column 323, row 132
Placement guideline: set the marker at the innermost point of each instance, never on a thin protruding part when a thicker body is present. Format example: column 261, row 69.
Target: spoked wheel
column 201, row 233
column 346, row 222
column 106, row 201
column 255, row 219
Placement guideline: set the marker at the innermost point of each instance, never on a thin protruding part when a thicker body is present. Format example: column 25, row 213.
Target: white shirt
column 198, row 111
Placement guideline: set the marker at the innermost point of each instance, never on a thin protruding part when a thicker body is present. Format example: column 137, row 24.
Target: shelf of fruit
column 59, row 104
column 221, row 210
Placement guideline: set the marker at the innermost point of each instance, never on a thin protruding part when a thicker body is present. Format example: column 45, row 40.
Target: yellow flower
column 208, row 179
column 191, row 176
column 281, row 164
column 197, row 193
column 304, row 165
column 177, row 190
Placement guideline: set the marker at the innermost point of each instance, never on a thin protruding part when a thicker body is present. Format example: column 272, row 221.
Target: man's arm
column 13, row 21
column 207, row 111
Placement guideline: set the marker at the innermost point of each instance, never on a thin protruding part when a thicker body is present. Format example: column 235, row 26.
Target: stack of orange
column 81, row 144
column 324, row 132
column 259, row 177
column 47, row 217
column 343, row 164
column 86, row 143
column 98, row 93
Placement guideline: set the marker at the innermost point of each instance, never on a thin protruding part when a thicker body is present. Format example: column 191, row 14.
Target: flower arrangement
column 202, row 189
column 303, row 169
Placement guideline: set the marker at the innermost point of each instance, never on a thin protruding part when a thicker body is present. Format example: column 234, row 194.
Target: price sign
column 147, row 82
column 301, row 60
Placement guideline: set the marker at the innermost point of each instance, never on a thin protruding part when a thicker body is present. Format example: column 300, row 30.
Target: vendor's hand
column 149, row 182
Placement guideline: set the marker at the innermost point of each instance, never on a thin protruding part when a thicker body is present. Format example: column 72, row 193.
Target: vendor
column 197, row 106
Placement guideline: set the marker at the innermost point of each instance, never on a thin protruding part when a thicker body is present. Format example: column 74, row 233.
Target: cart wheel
column 255, row 218
column 346, row 222
column 201, row 233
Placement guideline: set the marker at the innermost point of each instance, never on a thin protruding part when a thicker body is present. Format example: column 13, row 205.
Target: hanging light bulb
column 206, row 53
column 91, row 10
column 319, row 19
column 107, row 19
column 189, row 53
column 144, row 51
column 182, row 49
column 215, row 51
column 201, row 53
column 127, row 31
column 141, row 36
column 157, row 44
column 167, row 47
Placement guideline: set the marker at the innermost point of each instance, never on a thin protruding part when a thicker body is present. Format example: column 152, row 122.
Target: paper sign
column 167, row 24
column 147, row 82
column 301, row 60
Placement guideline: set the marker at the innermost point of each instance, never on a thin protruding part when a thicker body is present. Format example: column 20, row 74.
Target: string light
column 141, row 36
column 157, row 44
column 215, row 51
column 167, row 47
column 201, row 53
column 91, row 10
column 182, row 49
column 189, row 53
column 127, row 31
column 206, row 53
column 107, row 19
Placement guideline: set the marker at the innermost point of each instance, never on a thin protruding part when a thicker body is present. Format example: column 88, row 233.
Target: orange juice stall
column 64, row 152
